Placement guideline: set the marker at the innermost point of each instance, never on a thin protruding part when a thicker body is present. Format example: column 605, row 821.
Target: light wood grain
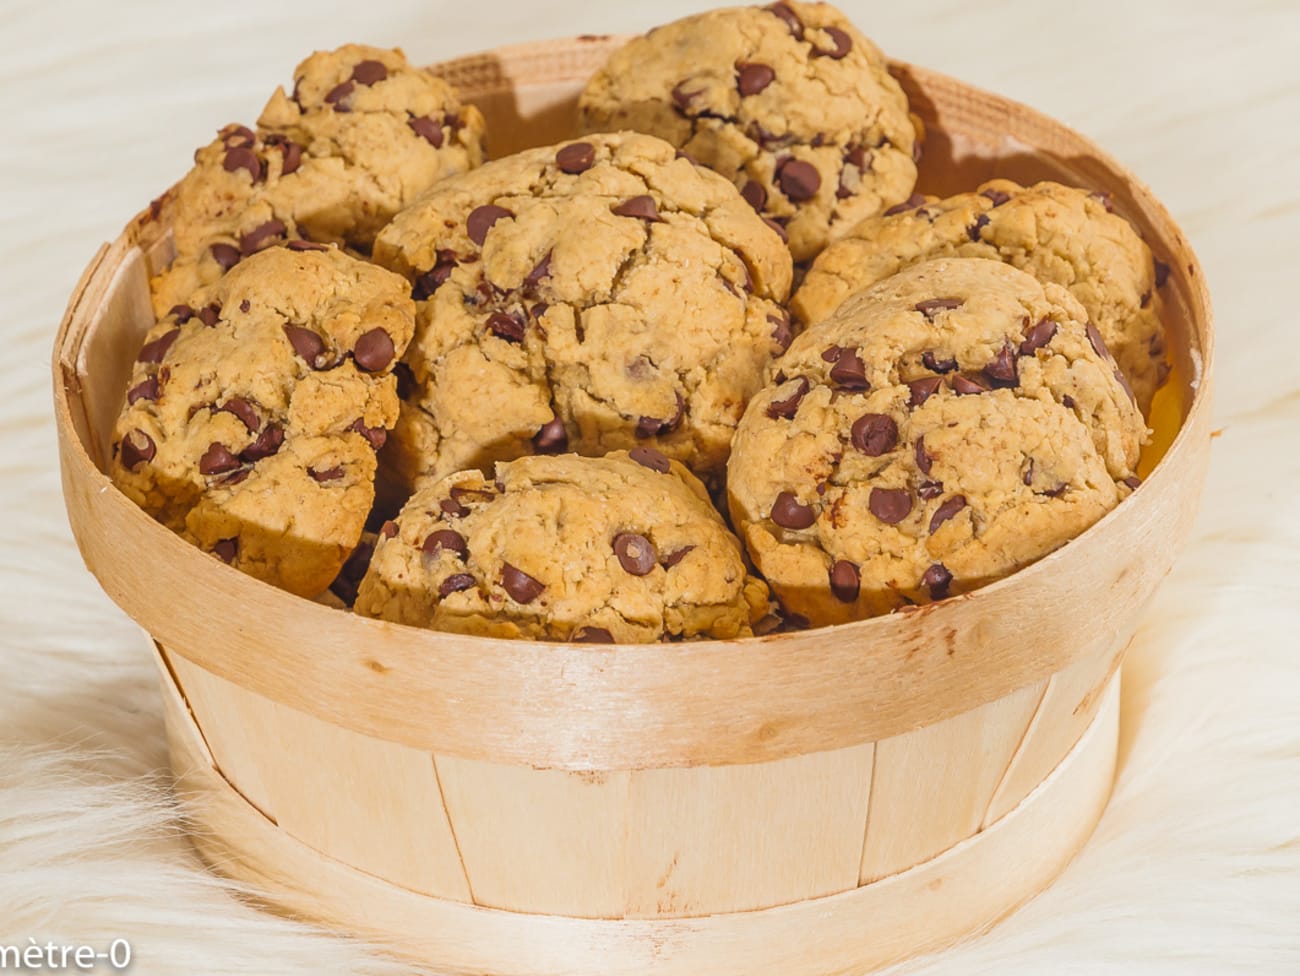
column 929, row 906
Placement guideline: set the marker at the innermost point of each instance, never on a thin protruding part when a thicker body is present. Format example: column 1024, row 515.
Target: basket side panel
column 539, row 840
column 1068, row 706
column 368, row 803
column 739, row 838
column 931, row 788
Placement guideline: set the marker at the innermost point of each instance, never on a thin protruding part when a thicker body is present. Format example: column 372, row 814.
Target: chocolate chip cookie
column 255, row 410
column 940, row 430
column 362, row 134
column 790, row 102
column 620, row 549
column 1057, row 233
column 586, row 297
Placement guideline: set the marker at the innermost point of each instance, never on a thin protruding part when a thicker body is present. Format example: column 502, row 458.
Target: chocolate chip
column 1095, row 340
column 374, row 350
column 453, row 507
column 301, row 245
column 389, row 529
column 789, row 513
column 329, row 474
column 521, row 587
column 673, row 558
column 1161, row 273
column 1027, row 478
column 481, row 219
column 430, row 281
column 506, row 327
column 1040, row 335
column 995, row 195
column 798, row 180
column 931, row 362
column 1056, row 492
column 923, row 460
column 755, row 194
column 843, row 44
column 930, row 306
column 576, row 157
column 791, row 19
column 226, row 550
column 226, row 255
column 752, row 78
column 782, row 332
column 183, row 313
column 845, row 581
column 636, row 554
column 241, row 157
column 540, row 271
column 448, row 539
column 786, row 409
column 244, row 410
column 874, row 434
column 923, row 389
column 682, row 97
column 290, row 153
column 642, row 208
column 849, row 372
column 153, row 352
column 209, row 314
column 369, row 72
column 936, row 579
column 1067, row 401
column 245, row 306
column 1133, row 481
column 237, row 135
column 306, row 344
column 260, row 236
column 377, row 436
column 946, row 511
column 146, row 390
column 267, row 443
column 455, row 583
column 963, row 384
column 973, row 231
column 338, row 94
column 930, row 489
column 648, row 457
column 651, row 426
column 217, row 460
column 552, row 438
column 427, row 129
column 911, row 203
column 1002, row 370
column 137, row 446
column 592, row 635
column 538, row 310
column 779, row 228
column 890, row 505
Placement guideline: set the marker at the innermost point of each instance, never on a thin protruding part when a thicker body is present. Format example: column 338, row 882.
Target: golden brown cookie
column 1056, row 233
column 362, row 134
column 255, row 411
column 624, row 549
column 790, row 102
column 940, row 430
column 585, row 297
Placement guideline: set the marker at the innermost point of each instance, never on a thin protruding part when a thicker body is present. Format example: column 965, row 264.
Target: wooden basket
column 807, row 803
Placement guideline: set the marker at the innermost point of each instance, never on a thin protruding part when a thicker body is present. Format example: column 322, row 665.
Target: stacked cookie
column 531, row 379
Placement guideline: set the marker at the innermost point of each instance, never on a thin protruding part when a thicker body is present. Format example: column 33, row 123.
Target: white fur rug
column 1195, row 868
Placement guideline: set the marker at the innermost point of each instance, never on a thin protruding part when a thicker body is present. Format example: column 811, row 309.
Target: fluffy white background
column 1195, row 868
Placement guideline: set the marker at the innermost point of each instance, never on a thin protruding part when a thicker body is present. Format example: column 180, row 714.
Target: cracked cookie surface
column 624, row 548
column 591, row 296
column 1057, row 233
column 362, row 134
column 790, row 102
column 940, row 430
column 255, row 410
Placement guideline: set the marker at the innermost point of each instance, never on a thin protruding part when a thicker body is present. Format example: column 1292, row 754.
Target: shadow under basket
column 808, row 803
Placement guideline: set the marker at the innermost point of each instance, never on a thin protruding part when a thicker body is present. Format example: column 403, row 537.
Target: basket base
column 962, row 891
